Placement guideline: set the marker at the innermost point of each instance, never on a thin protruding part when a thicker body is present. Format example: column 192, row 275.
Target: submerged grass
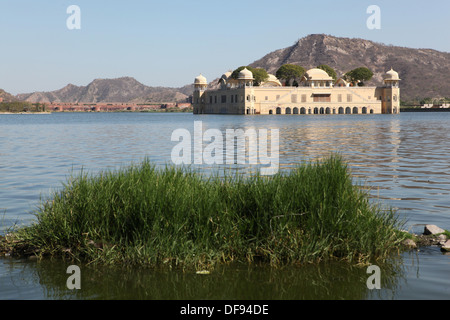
column 177, row 217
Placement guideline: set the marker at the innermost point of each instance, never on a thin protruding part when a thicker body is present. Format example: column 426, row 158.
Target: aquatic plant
column 175, row 216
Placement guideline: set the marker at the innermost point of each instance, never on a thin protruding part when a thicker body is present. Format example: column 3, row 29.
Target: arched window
column 288, row 110
column 355, row 110
column 348, row 110
column 364, row 110
column 341, row 110
column 302, row 110
column 322, row 111
column 270, row 111
column 316, row 110
column 295, row 110
column 278, row 110
column 328, row 110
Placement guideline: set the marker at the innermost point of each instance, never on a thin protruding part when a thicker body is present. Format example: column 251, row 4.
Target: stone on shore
column 442, row 239
column 446, row 246
column 409, row 243
column 432, row 229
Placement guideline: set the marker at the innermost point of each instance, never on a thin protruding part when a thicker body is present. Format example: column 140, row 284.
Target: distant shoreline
column 425, row 110
column 25, row 112
column 181, row 111
column 103, row 111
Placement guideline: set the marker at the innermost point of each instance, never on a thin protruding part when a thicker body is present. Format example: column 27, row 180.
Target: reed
column 177, row 217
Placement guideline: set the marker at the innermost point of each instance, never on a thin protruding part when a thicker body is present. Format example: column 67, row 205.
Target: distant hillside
column 6, row 97
column 125, row 89
column 424, row 72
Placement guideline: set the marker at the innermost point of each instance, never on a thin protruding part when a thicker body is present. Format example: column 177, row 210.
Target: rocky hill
column 125, row 89
column 424, row 72
column 6, row 97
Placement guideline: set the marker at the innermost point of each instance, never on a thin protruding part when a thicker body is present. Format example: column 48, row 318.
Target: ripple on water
column 402, row 160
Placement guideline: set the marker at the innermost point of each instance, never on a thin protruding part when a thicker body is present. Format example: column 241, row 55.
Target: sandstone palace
column 316, row 93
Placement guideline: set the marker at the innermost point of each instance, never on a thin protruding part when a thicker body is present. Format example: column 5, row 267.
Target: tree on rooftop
column 289, row 72
column 359, row 76
column 427, row 100
column 259, row 74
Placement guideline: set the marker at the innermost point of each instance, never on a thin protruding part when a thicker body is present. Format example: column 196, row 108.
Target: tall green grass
column 177, row 217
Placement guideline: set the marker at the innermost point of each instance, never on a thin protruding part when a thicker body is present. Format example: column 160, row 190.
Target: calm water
column 403, row 159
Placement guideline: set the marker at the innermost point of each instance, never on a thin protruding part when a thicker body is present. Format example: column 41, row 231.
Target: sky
column 168, row 43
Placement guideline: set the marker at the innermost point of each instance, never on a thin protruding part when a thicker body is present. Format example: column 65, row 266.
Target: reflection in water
column 242, row 282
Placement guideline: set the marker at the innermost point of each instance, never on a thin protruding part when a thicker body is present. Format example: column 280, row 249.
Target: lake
column 403, row 160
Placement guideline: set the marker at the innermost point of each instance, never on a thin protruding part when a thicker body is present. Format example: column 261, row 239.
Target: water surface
column 402, row 159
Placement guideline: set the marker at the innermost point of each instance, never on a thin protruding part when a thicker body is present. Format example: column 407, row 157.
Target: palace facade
column 317, row 93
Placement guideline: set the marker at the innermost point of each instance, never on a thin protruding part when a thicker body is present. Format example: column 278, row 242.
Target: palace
column 316, row 94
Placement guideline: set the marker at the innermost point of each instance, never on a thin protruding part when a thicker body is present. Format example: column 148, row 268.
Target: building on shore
column 317, row 93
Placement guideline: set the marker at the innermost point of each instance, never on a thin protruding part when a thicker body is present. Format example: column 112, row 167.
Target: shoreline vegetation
column 23, row 107
column 177, row 218
column 25, row 112
column 115, row 111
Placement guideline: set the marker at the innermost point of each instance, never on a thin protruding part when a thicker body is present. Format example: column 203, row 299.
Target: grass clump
column 177, row 217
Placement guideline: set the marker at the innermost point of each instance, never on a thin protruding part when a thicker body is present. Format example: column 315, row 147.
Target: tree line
column 22, row 106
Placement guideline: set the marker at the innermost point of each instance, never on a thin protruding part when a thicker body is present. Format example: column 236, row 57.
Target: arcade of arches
column 320, row 110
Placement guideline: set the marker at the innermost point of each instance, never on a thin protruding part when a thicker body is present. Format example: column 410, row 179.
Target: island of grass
column 141, row 215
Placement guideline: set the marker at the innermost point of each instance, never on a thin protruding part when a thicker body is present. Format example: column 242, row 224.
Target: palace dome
column 272, row 78
column 200, row 80
column 391, row 75
column 317, row 74
column 245, row 74
column 272, row 81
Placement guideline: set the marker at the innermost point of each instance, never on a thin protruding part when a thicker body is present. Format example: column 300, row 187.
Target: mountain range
column 424, row 72
column 125, row 89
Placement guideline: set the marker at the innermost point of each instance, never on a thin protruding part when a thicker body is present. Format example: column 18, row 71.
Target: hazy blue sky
column 168, row 43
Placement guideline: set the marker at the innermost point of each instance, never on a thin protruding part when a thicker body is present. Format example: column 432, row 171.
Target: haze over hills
column 424, row 72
